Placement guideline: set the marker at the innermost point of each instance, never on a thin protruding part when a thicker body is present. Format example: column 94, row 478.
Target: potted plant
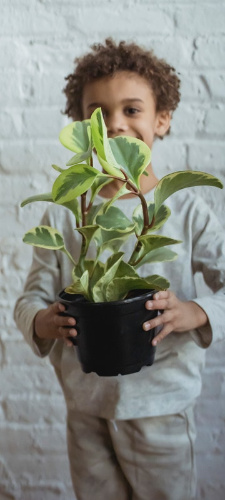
column 107, row 297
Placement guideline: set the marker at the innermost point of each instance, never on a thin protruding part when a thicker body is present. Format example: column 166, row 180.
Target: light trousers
column 143, row 459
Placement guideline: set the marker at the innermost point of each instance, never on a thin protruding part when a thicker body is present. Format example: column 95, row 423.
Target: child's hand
column 49, row 324
column 176, row 316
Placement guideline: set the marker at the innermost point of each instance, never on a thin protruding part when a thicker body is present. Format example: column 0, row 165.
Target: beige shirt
column 174, row 380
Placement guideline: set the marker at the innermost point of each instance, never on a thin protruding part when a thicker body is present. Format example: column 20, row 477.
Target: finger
column 160, row 302
column 64, row 321
column 166, row 330
column 67, row 332
column 159, row 320
column 153, row 305
column 68, row 342
column 58, row 307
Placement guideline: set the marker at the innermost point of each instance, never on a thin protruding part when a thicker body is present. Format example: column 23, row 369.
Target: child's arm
column 36, row 312
column 204, row 316
column 176, row 316
column 49, row 324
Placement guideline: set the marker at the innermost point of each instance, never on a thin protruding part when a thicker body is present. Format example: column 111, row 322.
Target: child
column 132, row 436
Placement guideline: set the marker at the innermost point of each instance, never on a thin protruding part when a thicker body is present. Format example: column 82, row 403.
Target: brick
column 194, row 87
column 209, row 52
column 168, row 155
column 188, row 121
column 34, row 467
column 152, row 16
column 32, row 155
column 207, row 155
column 40, row 380
column 15, row 350
column 15, row 439
column 193, row 18
column 215, row 82
column 30, row 18
column 215, row 122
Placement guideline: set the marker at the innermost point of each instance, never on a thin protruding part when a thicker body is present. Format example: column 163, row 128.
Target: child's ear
column 162, row 123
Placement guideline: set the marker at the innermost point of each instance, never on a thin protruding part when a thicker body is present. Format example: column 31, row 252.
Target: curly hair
column 109, row 58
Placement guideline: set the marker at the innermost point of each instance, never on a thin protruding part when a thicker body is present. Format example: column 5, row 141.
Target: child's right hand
column 49, row 324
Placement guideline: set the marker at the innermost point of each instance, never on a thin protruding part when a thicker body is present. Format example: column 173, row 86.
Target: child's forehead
column 128, row 82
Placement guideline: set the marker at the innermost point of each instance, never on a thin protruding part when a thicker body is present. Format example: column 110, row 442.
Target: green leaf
column 98, row 184
column 93, row 212
column 96, row 274
column 180, row 180
column 160, row 218
column 114, row 220
column 111, row 267
column 158, row 255
column 73, row 182
column 44, row 237
column 110, row 169
column 57, row 168
column 74, row 207
column 157, row 220
column 125, row 270
column 148, row 243
column 37, row 197
column 154, row 241
column 88, row 233
column 118, row 288
column 121, row 192
column 102, row 145
column 88, row 266
column 111, row 240
column 76, row 136
column 80, row 286
column 132, row 155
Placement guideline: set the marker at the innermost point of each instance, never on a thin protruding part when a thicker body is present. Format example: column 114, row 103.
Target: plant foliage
column 123, row 158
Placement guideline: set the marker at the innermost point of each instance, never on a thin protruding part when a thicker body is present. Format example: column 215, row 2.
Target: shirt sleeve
column 41, row 287
column 208, row 258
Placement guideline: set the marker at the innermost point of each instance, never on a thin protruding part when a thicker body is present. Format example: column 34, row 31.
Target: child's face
column 128, row 106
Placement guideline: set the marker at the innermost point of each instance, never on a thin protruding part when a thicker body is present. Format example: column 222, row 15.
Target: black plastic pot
column 110, row 338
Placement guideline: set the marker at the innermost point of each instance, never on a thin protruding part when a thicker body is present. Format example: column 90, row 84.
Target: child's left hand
column 176, row 315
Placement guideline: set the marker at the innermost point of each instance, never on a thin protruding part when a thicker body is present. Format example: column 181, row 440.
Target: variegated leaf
column 37, row 197
column 132, row 155
column 118, row 288
column 73, row 182
column 157, row 220
column 158, row 255
column 180, row 180
column 44, row 237
column 101, row 144
column 76, row 136
column 114, row 219
column 111, row 267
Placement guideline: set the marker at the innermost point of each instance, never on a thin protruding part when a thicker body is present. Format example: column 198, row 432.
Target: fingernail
column 146, row 326
column 154, row 342
column 156, row 296
column 73, row 333
column 71, row 321
column 149, row 304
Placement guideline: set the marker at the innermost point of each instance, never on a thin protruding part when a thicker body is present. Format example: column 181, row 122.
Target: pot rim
column 143, row 293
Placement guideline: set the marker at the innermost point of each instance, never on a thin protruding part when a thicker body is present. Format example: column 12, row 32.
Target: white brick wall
column 39, row 40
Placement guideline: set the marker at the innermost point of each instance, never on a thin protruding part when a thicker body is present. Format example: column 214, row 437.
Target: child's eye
column 131, row 111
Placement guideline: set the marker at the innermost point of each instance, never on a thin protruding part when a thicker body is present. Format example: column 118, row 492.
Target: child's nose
column 116, row 124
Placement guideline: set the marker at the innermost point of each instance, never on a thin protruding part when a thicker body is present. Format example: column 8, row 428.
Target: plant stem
column 69, row 256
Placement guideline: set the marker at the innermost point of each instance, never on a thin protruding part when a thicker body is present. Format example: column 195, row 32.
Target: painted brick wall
column 39, row 40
